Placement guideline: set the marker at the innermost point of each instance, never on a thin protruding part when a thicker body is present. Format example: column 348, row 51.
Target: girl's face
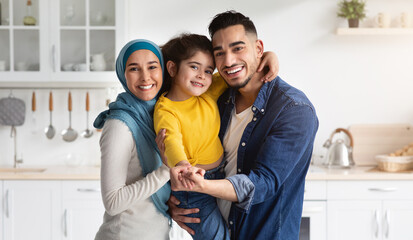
column 143, row 73
column 193, row 77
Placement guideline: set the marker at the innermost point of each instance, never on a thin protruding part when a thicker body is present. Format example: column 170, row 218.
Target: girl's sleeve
column 117, row 145
column 218, row 86
column 164, row 118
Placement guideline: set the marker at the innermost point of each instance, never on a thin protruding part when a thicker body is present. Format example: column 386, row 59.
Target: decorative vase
column 353, row 23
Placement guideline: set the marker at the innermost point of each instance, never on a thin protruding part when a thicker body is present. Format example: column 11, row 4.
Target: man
column 267, row 130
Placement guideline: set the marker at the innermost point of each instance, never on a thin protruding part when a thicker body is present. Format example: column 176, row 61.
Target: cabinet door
column 82, row 209
column 313, row 220
column 397, row 220
column 23, row 49
column 1, row 210
column 31, row 210
column 84, row 38
column 356, row 220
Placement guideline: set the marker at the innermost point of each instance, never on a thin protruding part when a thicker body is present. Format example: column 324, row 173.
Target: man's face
column 237, row 55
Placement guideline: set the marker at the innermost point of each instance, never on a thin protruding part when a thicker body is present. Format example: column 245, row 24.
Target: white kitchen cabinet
column 354, row 220
column 398, row 217
column 1, row 211
column 379, row 210
column 31, row 210
column 65, row 42
column 314, row 215
column 82, row 209
column 50, row 209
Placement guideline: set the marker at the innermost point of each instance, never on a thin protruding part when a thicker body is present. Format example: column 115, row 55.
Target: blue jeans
column 213, row 225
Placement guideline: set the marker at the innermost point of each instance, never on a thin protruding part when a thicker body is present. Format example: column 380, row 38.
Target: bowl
column 394, row 163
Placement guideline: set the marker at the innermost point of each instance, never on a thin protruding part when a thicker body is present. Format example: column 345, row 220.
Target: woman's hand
column 269, row 61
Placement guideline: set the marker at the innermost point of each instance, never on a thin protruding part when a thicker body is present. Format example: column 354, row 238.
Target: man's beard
column 243, row 84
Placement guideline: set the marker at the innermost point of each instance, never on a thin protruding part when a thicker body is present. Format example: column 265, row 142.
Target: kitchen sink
column 22, row 170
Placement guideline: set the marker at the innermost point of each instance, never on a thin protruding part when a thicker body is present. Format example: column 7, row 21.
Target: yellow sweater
column 192, row 126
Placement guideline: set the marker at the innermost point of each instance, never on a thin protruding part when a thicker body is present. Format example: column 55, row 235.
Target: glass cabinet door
column 87, row 35
column 20, row 36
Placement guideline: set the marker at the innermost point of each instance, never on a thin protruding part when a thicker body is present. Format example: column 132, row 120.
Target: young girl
column 189, row 113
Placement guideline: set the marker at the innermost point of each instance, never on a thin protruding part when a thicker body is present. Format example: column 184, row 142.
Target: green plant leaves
column 354, row 9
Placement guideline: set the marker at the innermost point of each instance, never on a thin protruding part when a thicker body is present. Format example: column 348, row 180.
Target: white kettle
column 339, row 154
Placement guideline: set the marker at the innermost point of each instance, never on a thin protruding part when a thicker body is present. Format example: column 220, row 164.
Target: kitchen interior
column 57, row 74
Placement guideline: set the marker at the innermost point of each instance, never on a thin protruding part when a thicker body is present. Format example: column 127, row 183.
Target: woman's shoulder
column 115, row 128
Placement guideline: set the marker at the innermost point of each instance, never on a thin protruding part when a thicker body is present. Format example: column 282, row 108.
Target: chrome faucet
column 13, row 134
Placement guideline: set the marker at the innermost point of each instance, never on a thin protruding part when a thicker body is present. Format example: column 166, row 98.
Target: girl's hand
column 178, row 181
column 160, row 138
column 269, row 61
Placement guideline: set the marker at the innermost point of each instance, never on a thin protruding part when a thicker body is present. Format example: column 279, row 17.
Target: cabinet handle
column 65, row 223
column 377, row 218
column 389, row 189
column 88, row 189
column 7, row 203
column 387, row 221
column 54, row 58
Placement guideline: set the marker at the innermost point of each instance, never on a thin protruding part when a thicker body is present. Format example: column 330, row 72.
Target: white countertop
column 52, row 173
column 355, row 173
column 93, row 173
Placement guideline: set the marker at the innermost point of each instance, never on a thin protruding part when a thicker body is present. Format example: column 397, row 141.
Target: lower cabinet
column 31, row 210
column 82, row 209
column 51, row 210
column 333, row 210
column 1, row 211
column 369, row 210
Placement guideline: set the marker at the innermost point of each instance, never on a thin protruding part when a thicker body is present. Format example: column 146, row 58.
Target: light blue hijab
column 138, row 116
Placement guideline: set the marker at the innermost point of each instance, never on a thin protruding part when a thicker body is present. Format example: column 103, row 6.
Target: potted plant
column 353, row 11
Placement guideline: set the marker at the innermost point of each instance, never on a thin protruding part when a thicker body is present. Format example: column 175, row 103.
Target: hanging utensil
column 69, row 135
column 50, row 130
column 87, row 133
column 34, row 125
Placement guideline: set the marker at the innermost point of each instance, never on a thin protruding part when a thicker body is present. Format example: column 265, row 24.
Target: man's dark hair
column 231, row 18
column 182, row 48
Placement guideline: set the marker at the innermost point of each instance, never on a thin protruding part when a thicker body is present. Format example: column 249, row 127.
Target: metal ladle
column 50, row 130
column 87, row 133
column 69, row 135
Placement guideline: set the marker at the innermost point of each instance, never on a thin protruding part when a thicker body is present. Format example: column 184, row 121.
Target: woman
column 133, row 178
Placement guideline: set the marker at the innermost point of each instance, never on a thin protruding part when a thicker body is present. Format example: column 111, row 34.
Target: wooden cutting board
column 374, row 139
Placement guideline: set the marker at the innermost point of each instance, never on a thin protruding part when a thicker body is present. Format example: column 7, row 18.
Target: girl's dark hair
column 231, row 18
column 181, row 48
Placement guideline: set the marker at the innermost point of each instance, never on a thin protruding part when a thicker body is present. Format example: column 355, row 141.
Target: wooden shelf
column 374, row 31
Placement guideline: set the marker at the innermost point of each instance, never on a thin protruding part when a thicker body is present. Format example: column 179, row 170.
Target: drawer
column 315, row 190
column 87, row 190
column 370, row 190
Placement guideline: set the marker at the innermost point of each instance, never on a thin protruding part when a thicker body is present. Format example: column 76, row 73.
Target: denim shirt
column 273, row 158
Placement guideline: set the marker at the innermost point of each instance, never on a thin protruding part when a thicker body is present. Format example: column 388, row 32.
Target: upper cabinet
column 56, row 41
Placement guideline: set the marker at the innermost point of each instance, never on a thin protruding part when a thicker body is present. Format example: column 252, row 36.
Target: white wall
column 349, row 79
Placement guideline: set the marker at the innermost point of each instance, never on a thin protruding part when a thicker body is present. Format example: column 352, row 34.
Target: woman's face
column 143, row 73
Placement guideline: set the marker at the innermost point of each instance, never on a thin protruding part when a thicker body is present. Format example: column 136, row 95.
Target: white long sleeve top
column 130, row 212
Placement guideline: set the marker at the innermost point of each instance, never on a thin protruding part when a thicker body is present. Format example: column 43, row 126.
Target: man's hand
column 179, row 214
column 161, row 145
column 269, row 61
